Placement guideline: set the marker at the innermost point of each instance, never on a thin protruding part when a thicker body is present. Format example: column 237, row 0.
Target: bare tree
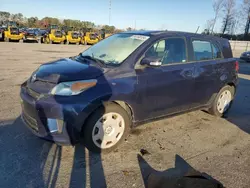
column 208, row 27
column 17, row 17
column 217, row 6
column 229, row 10
column 4, row 16
column 246, row 16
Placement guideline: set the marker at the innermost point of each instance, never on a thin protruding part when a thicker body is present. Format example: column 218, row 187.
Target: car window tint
column 202, row 50
column 216, row 52
column 170, row 51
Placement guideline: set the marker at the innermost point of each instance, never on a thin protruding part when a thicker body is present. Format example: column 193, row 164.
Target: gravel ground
column 215, row 146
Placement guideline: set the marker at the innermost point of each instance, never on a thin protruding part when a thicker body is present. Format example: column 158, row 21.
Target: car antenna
column 197, row 29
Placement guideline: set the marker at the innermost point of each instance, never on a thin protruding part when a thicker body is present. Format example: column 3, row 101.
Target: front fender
column 89, row 109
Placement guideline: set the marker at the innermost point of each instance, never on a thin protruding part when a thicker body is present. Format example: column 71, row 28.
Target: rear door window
column 216, row 52
column 202, row 50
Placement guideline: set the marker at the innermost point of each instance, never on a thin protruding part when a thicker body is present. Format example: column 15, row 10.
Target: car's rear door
column 168, row 88
column 206, row 54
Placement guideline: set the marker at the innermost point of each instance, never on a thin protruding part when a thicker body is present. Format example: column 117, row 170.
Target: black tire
column 95, row 116
column 213, row 110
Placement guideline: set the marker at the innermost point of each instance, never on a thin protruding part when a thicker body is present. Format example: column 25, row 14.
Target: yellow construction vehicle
column 72, row 36
column 89, row 37
column 101, row 34
column 12, row 33
column 54, row 35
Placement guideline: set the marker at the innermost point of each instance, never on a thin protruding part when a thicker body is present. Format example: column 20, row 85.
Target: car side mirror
column 151, row 61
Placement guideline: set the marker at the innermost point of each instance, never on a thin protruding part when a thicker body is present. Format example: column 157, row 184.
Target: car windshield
column 116, row 48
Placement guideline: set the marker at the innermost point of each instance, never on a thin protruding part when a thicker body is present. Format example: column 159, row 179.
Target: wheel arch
column 231, row 84
column 92, row 109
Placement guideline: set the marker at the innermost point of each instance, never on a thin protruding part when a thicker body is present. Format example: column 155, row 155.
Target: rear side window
column 216, row 52
column 202, row 50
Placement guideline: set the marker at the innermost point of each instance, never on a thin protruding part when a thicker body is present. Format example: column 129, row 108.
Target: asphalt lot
column 215, row 146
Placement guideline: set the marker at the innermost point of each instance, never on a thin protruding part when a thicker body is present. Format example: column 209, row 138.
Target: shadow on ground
column 22, row 156
column 27, row 161
column 239, row 114
column 182, row 175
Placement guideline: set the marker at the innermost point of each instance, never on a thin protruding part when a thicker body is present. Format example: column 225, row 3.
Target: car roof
column 166, row 32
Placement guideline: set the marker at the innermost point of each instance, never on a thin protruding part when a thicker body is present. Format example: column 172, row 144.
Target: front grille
column 31, row 122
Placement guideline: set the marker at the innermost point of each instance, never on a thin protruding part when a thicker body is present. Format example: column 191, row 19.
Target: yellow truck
column 72, row 36
column 12, row 33
column 90, row 38
column 54, row 35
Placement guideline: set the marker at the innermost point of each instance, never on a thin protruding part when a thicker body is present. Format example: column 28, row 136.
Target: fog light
column 55, row 125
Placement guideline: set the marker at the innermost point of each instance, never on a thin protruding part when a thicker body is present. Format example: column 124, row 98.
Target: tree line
column 235, row 19
column 35, row 22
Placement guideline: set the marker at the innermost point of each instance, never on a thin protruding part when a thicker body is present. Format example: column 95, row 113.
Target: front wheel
column 223, row 101
column 106, row 128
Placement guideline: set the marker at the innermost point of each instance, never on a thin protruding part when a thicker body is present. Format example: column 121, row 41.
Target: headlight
column 72, row 88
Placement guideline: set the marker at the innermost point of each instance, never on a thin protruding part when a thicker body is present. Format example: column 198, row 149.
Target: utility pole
column 135, row 24
column 109, row 11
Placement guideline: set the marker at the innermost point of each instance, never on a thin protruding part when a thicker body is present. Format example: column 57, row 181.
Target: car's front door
column 168, row 88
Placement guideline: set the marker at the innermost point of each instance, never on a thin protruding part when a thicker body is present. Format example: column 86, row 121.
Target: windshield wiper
column 92, row 58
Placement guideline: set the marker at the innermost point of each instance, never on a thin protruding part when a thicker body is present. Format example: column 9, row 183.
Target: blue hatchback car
column 126, row 80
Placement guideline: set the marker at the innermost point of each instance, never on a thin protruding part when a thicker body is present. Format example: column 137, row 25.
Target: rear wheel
column 106, row 128
column 223, row 101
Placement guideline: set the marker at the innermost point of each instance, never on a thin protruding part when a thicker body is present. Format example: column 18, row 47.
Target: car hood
column 67, row 70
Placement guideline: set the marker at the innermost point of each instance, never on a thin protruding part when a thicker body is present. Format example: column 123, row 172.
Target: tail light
column 237, row 67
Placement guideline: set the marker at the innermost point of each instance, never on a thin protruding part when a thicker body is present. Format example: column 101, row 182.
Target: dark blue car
column 125, row 80
column 245, row 56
